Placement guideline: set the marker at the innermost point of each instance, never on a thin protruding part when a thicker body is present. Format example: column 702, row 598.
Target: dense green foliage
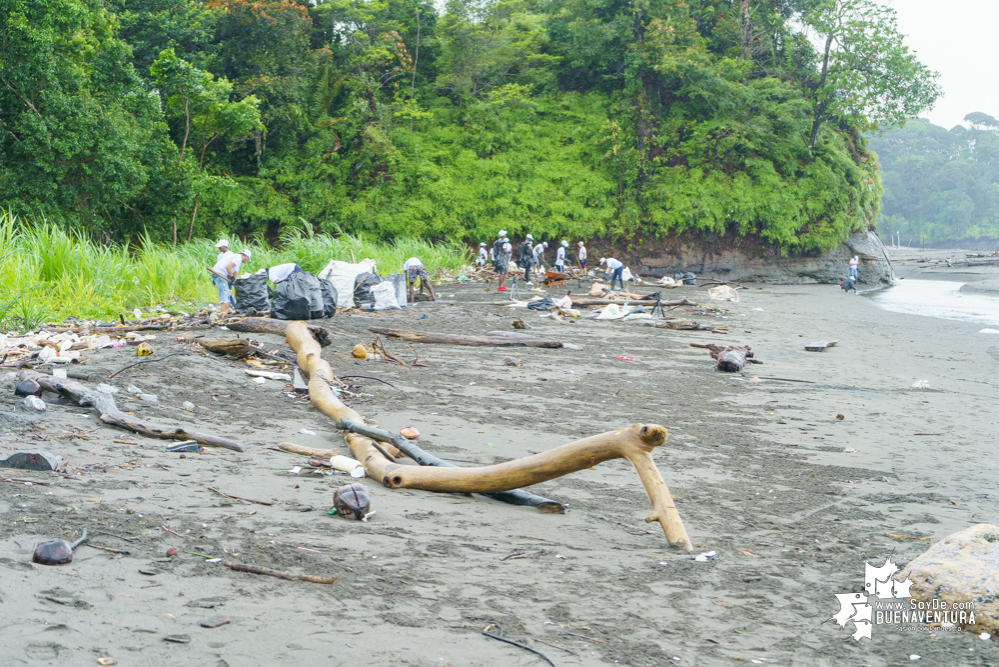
column 626, row 119
column 47, row 272
column 941, row 186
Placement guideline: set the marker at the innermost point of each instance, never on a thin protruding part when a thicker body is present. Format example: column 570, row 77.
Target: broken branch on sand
column 144, row 361
column 234, row 347
column 410, row 449
column 110, row 414
column 267, row 325
column 458, row 339
column 257, row 569
column 634, row 443
column 523, row 646
column 249, row 500
column 308, row 451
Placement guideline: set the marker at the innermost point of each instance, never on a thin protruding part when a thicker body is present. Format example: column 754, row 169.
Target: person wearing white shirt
column 581, row 254
column 854, row 263
column 225, row 270
column 615, row 270
column 413, row 268
column 539, row 252
column 483, row 256
column 560, row 257
column 282, row 272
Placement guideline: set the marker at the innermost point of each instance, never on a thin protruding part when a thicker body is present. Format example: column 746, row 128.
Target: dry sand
column 757, row 466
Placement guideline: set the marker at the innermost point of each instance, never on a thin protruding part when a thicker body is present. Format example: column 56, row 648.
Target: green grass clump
column 49, row 273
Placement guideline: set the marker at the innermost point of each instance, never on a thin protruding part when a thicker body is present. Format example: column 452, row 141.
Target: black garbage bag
column 329, row 297
column 293, row 297
column 689, row 278
column 315, row 289
column 362, row 287
column 251, row 292
column 543, row 304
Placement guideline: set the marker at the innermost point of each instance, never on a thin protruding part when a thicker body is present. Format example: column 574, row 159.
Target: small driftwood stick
column 235, row 347
column 458, row 339
column 424, row 458
column 267, row 325
column 257, row 569
column 249, row 500
column 308, row 451
column 110, row 414
column 634, row 443
column 523, row 646
column 144, row 361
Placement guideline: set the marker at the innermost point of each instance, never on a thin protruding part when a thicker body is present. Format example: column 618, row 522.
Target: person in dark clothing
column 498, row 246
column 848, row 285
column 525, row 257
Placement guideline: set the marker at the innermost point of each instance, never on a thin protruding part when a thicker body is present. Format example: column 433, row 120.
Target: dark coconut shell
column 53, row 552
column 352, row 501
column 28, row 387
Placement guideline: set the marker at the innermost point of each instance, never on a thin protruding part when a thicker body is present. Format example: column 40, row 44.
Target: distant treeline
column 941, row 186
column 623, row 119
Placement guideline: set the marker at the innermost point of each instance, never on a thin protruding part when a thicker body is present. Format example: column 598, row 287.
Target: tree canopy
column 941, row 186
column 625, row 119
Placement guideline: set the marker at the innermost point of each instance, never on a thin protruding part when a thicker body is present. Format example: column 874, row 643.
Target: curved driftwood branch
column 110, row 414
column 634, row 443
column 424, row 458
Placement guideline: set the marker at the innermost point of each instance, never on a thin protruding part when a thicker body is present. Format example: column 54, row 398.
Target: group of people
column 226, row 270
column 531, row 255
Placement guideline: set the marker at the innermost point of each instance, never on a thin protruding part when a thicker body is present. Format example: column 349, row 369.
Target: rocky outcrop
column 961, row 570
column 745, row 260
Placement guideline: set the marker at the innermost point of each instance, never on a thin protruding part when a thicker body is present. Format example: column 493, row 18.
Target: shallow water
column 938, row 298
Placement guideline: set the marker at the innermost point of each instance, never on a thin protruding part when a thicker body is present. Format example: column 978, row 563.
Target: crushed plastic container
column 34, row 403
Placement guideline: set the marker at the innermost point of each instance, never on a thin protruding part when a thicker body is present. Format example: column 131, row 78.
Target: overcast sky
column 957, row 39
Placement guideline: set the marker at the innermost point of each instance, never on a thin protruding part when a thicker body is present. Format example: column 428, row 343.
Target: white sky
column 957, row 39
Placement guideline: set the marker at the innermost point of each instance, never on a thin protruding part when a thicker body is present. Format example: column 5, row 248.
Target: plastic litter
column 385, row 296
column 362, row 287
column 107, row 389
column 259, row 380
column 348, row 465
column 921, row 384
column 342, row 275
column 132, row 389
column 706, row 556
column 34, row 403
column 149, row 398
column 188, row 405
column 306, row 431
column 723, row 293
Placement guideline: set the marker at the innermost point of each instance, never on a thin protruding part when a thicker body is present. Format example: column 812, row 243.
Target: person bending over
column 413, row 268
column 615, row 269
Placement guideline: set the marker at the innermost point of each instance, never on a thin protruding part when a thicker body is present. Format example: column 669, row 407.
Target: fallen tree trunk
column 267, row 325
column 634, row 443
column 424, row 458
column 110, row 414
column 730, row 359
column 236, row 347
column 458, row 339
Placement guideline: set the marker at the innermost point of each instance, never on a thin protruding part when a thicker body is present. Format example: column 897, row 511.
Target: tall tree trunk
column 820, row 107
column 745, row 28
column 187, row 131
column 194, row 214
column 175, row 231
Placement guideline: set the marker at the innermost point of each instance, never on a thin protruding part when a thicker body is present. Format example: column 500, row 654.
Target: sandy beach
column 792, row 500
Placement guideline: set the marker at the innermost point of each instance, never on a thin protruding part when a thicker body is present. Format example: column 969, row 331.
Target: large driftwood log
column 458, row 339
column 236, row 347
column 424, row 458
column 634, row 443
column 730, row 359
column 267, row 325
column 110, row 414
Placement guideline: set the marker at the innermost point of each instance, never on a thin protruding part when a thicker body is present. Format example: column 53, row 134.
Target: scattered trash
column 149, row 398
column 348, row 465
column 299, row 385
column 921, row 384
column 132, row 389
column 106, row 661
column 59, row 373
column 511, row 361
column 706, row 556
column 849, row 450
column 36, row 460
column 260, row 380
column 820, row 345
column 985, row 636
column 188, row 405
column 622, row 358
column 171, row 552
column 56, row 552
column 360, row 352
column 143, row 350
column 137, row 313
column 295, row 471
column 410, row 433
column 840, row 418
column 269, row 375
column 914, row 657
column 34, row 403
column 186, row 446
column 28, row 387
column 107, row 389
column 305, row 431
column 352, row 501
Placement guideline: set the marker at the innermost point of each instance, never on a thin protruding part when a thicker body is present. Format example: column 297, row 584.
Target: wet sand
column 757, row 466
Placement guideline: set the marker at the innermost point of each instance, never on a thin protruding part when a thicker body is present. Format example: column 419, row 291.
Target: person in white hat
column 225, row 270
column 525, row 257
column 581, row 255
column 480, row 261
column 498, row 246
column 560, row 257
column 539, row 252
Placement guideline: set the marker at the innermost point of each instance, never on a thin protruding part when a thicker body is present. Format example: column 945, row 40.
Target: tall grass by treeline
column 48, row 273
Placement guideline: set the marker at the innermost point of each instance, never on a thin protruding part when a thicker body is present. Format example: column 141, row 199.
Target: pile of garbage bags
column 301, row 296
